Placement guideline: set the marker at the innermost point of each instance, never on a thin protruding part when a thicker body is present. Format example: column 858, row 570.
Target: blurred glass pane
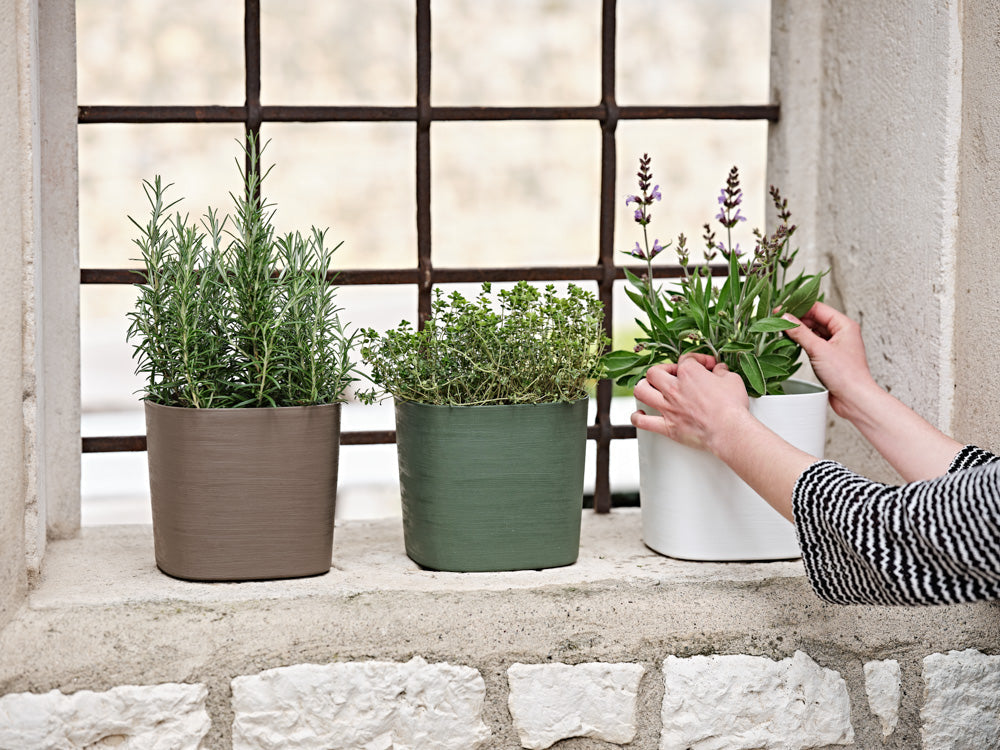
column 512, row 194
column 690, row 163
column 108, row 382
column 355, row 178
column 162, row 52
column 338, row 52
column 516, row 52
column 693, row 52
column 115, row 159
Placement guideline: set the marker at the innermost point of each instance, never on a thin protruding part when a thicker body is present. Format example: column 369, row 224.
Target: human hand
column 836, row 352
column 696, row 399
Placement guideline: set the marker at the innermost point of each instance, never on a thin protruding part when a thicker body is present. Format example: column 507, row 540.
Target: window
column 519, row 141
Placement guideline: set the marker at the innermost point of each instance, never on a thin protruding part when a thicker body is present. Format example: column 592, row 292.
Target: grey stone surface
column 129, row 717
column 372, row 705
column 883, row 686
column 744, row 702
column 961, row 701
column 551, row 702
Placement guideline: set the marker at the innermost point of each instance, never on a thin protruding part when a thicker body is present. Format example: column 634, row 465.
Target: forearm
column 914, row 447
column 766, row 462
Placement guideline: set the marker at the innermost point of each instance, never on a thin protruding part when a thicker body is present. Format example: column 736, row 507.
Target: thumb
column 802, row 335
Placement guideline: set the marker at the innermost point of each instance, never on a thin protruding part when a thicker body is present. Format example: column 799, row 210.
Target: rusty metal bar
column 605, row 260
column 424, row 264
column 351, row 277
column 137, row 443
column 156, row 114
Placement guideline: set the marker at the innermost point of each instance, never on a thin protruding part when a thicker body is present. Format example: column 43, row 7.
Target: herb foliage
column 232, row 314
column 524, row 346
column 738, row 323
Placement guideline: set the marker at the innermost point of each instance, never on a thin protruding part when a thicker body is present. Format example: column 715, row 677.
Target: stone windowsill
column 114, row 565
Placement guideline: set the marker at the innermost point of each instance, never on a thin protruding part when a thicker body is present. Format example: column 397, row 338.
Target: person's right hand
column 836, row 352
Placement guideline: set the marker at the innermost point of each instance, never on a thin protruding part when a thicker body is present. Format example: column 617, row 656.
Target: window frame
column 608, row 113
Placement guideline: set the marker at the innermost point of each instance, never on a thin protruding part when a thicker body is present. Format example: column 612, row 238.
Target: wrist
column 730, row 431
column 860, row 402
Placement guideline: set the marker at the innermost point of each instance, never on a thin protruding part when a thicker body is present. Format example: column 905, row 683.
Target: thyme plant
column 233, row 314
column 525, row 346
column 738, row 323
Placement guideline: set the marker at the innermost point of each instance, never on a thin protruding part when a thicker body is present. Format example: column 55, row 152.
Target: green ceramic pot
column 492, row 487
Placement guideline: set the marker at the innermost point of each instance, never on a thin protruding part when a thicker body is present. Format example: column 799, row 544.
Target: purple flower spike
column 656, row 193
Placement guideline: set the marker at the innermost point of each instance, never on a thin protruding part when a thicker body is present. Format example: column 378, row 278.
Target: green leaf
column 752, row 373
column 770, row 325
column 802, row 299
column 736, row 346
column 633, row 279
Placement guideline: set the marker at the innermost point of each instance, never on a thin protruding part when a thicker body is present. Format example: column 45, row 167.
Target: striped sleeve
column 930, row 542
column 971, row 456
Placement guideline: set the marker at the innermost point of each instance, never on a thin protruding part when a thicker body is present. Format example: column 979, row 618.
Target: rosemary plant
column 524, row 347
column 738, row 323
column 232, row 314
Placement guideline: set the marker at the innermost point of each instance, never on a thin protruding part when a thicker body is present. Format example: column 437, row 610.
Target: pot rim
column 235, row 409
column 813, row 389
column 399, row 402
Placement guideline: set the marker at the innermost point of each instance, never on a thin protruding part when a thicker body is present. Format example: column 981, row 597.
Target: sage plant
column 738, row 323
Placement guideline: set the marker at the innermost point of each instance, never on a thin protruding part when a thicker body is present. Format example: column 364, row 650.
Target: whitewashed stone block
column 551, row 702
column 961, row 701
column 130, row 717
column 360, row 705
column 753, row 703
column 883, row 685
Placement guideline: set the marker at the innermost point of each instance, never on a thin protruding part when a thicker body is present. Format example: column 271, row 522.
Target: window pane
column 115, row 159
column 690, row 163
column 355, row 178
column 516, row 52
column 693, row 52
column 163, row 52
column 338, row 52
column 512, row 194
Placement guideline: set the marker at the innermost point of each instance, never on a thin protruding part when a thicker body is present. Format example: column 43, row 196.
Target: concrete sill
column 113, row 565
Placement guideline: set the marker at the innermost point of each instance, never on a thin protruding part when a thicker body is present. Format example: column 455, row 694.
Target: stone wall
column 625, row 643
column 735, row 702
column 12, row 180
column 888, row 119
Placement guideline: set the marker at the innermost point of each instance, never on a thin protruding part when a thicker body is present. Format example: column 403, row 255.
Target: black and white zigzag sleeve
column 930, row 542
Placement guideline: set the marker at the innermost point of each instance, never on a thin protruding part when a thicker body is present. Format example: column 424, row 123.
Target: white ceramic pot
column 695, row 508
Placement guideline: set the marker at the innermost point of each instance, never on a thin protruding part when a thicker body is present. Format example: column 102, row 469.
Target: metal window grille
column 608, row 113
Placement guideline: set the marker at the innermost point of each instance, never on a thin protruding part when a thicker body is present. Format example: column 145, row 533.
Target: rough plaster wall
column 26, row 13
column 977, row 292
column 12, row 573
column 60, row 267
column 888, row 170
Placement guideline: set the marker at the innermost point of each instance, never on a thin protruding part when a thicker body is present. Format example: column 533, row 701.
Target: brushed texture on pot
column 243, row 494
column 492, row 487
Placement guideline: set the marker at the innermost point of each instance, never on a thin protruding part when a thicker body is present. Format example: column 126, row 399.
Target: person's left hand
column 696, row 398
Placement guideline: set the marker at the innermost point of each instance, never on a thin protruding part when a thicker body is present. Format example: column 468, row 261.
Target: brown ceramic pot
column 243, row 494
